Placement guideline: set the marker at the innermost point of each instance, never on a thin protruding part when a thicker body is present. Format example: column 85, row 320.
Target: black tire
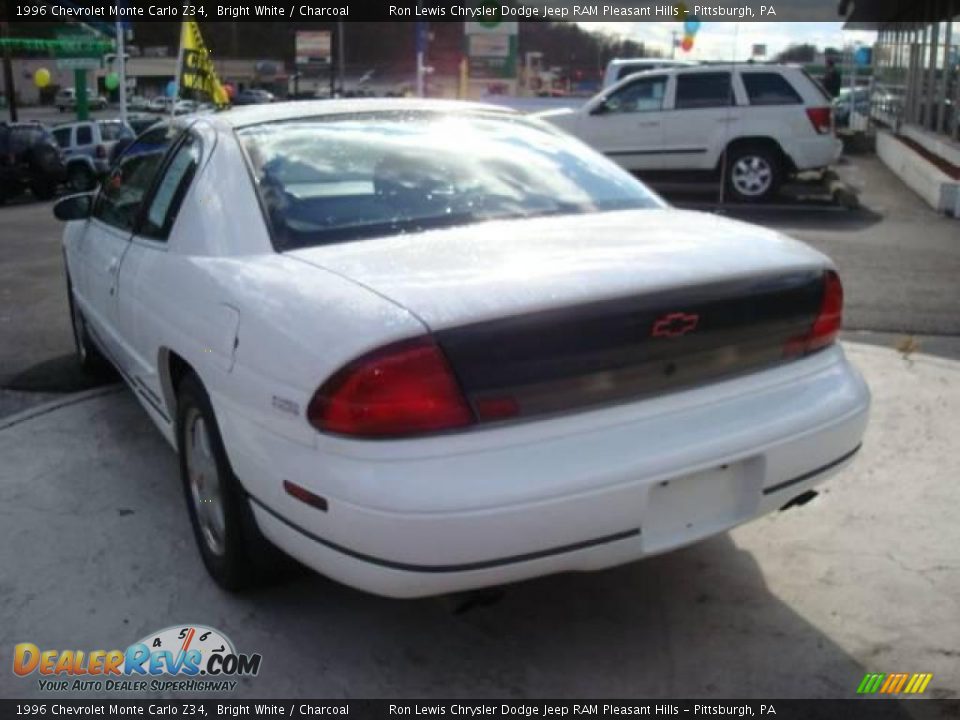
column 236, row 554
column 752, row 173
column 80, row 178
column 89, row 357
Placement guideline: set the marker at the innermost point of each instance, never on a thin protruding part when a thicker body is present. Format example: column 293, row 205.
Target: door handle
column 651, row 123
column 727, row 120
column 113, row 265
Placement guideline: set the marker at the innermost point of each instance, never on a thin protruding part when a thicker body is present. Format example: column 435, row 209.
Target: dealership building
column 916, row 94
column 148, row 72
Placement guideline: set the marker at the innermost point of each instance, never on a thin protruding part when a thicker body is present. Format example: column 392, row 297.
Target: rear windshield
column 347, row 177
column 112, row 131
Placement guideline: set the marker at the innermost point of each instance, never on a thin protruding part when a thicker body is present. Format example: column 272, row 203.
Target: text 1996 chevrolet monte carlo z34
column 424, row 347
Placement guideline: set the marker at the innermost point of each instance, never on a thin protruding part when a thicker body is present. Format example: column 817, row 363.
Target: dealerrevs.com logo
column 177, row 658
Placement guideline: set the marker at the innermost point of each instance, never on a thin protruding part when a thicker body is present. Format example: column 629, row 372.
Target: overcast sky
column 734, row 40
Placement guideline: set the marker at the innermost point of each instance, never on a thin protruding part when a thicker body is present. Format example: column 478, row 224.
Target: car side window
column 703, row 90
column 62, row 136
column 84, row 135
column 122, row 193
column 769, row 89
column 171, row 189
column 643, row 95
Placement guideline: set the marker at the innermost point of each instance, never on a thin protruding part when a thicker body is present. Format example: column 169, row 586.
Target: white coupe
column 424, row 347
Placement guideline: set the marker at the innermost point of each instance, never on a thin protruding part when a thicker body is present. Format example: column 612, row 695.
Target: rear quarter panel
column 296, row 324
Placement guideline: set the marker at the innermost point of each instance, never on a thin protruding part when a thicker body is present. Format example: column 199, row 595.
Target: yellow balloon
column 41, row 77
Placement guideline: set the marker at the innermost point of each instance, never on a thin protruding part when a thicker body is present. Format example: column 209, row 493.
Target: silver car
column 87, row 148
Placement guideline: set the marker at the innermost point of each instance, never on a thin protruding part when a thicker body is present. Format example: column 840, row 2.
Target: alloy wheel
column 752, row 175
column 206, row 487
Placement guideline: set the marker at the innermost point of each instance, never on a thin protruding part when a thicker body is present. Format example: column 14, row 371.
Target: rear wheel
column 233, row 550
column 753, row 173
column 80, row 178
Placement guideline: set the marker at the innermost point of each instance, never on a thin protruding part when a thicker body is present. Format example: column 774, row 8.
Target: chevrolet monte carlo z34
column 424, row 347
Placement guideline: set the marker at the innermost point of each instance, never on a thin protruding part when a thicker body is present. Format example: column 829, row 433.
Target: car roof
column 651, row 61
column 273, row 112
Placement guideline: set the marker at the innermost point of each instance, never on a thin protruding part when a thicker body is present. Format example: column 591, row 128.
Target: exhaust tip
column 800, row 500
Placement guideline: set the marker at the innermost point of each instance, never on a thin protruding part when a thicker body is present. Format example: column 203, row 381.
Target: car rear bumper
column 815, row 152
column 579, row 493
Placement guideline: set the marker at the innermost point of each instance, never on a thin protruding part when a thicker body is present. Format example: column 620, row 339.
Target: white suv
column 754, row 123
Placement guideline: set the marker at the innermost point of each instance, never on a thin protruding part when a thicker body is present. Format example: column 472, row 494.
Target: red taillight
column 101, row 151
column 829, row 319
column 821, row 118
column 399, row 390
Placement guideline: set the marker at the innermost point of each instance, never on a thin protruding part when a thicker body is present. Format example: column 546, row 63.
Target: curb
column 49, row 407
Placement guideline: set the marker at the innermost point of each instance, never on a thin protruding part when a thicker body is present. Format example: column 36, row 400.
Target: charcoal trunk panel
column 608, row 351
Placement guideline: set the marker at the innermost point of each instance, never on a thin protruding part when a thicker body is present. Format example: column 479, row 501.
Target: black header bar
column 465, row 10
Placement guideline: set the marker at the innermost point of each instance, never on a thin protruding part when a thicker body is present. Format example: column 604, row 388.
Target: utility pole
column 421, row 30
column 8, row 87
column 122, row 72
column 333, row 70
column 341, row 55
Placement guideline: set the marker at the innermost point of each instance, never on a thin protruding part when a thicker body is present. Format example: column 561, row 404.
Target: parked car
column 619, row 68
column 87, row 149
column 29, row 159
column 139, row 122
column 253, row 96
column 137, row 103
column 66, row 99
column 160, row 104
column 858, row 100
column 754, row 124
column 435, row 346
column 185, row 107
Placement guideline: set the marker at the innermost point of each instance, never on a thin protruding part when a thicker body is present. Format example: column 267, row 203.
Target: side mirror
column 74, row 207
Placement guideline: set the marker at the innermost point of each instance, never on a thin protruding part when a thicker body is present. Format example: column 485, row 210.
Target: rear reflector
column 821, row 118
column 826, row 327
column 304, row 495
column 399, row 390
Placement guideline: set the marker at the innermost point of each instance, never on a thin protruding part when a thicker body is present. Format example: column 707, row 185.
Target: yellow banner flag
column 197, row 71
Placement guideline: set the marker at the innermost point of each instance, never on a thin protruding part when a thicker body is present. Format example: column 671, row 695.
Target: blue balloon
column 691, row 25
column 171, row 88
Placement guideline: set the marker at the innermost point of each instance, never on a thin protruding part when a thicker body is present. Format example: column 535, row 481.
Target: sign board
column 488, row 46
column 491, row 49
column 492, row 27
column 77, row 63
column 313, row 47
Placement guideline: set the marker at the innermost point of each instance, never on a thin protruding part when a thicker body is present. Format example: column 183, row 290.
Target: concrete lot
column 97, row 550
column 98, row 553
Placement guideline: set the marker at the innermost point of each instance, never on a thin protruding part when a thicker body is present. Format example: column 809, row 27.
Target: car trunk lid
column 543, row 315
